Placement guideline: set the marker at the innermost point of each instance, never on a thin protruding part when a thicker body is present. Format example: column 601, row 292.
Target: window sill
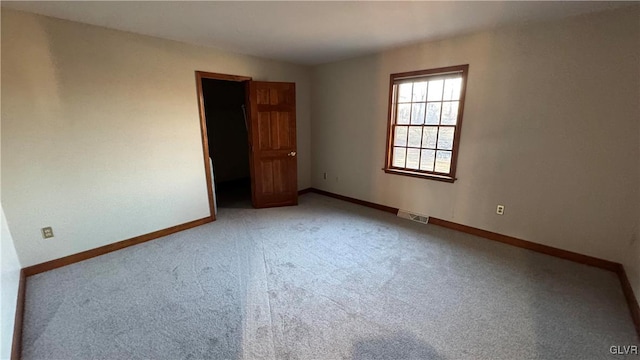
column 443, row 178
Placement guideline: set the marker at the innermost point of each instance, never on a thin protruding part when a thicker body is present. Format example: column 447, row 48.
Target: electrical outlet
column 47, row 232
column 500, row 210
column 325, row 176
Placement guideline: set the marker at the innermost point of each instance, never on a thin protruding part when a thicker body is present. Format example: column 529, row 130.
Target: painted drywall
column 9, row 281
column 550, row 130
column 632, row 265
column 101, row 132
column 634, row 259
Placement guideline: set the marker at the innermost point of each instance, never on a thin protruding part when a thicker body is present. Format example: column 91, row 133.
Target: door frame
column 203, row 124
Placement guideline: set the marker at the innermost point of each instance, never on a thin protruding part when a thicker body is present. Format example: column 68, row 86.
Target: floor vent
column 413, row 217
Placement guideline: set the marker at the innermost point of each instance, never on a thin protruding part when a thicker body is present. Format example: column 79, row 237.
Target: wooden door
column 273, row 158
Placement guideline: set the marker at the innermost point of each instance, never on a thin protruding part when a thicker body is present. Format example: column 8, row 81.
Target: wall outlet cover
column 47, row 232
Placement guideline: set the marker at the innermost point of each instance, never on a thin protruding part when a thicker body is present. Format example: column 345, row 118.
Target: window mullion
column 420, row 150
column 406, row 151
column 411, row 105
column 435, row 151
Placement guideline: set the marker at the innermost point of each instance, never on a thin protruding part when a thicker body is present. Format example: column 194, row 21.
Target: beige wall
column 101, row 134
column 9, row 283
column 634, row 259
column 550, row 131
column 632, row 264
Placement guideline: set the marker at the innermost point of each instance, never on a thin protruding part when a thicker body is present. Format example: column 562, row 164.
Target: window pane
column 417, row 113
column 452, row 89
column 427, row 159
column 449, row 112
column 420, row 91
column 429, row 135
column 415, row 133
column 400, row 138
column 399, row 154
column 433, row 113
column 443, row 161
column 404, row 110
column 435, row 90
column 445, row 138
column 404, row 92
column 413, row 158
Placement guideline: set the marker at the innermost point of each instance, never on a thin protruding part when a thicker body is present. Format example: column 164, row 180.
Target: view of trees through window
column 425, row 116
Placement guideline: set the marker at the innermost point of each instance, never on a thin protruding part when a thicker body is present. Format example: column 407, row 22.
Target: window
column 425, row 113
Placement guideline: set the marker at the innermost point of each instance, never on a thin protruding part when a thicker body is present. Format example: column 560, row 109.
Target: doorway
column 249, row 141
column 224, row 103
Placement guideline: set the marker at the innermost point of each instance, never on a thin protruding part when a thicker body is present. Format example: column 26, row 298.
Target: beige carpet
column 324, row 280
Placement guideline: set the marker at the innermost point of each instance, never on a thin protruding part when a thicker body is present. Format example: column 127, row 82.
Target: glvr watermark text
column 624, row 350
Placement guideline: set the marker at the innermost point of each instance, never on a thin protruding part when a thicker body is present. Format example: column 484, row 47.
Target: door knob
column 293, row 153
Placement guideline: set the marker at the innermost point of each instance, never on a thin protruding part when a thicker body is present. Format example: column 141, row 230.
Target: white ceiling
column 306, row 32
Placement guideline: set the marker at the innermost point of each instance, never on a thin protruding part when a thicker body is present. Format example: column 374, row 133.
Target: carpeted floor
column 324, row 280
